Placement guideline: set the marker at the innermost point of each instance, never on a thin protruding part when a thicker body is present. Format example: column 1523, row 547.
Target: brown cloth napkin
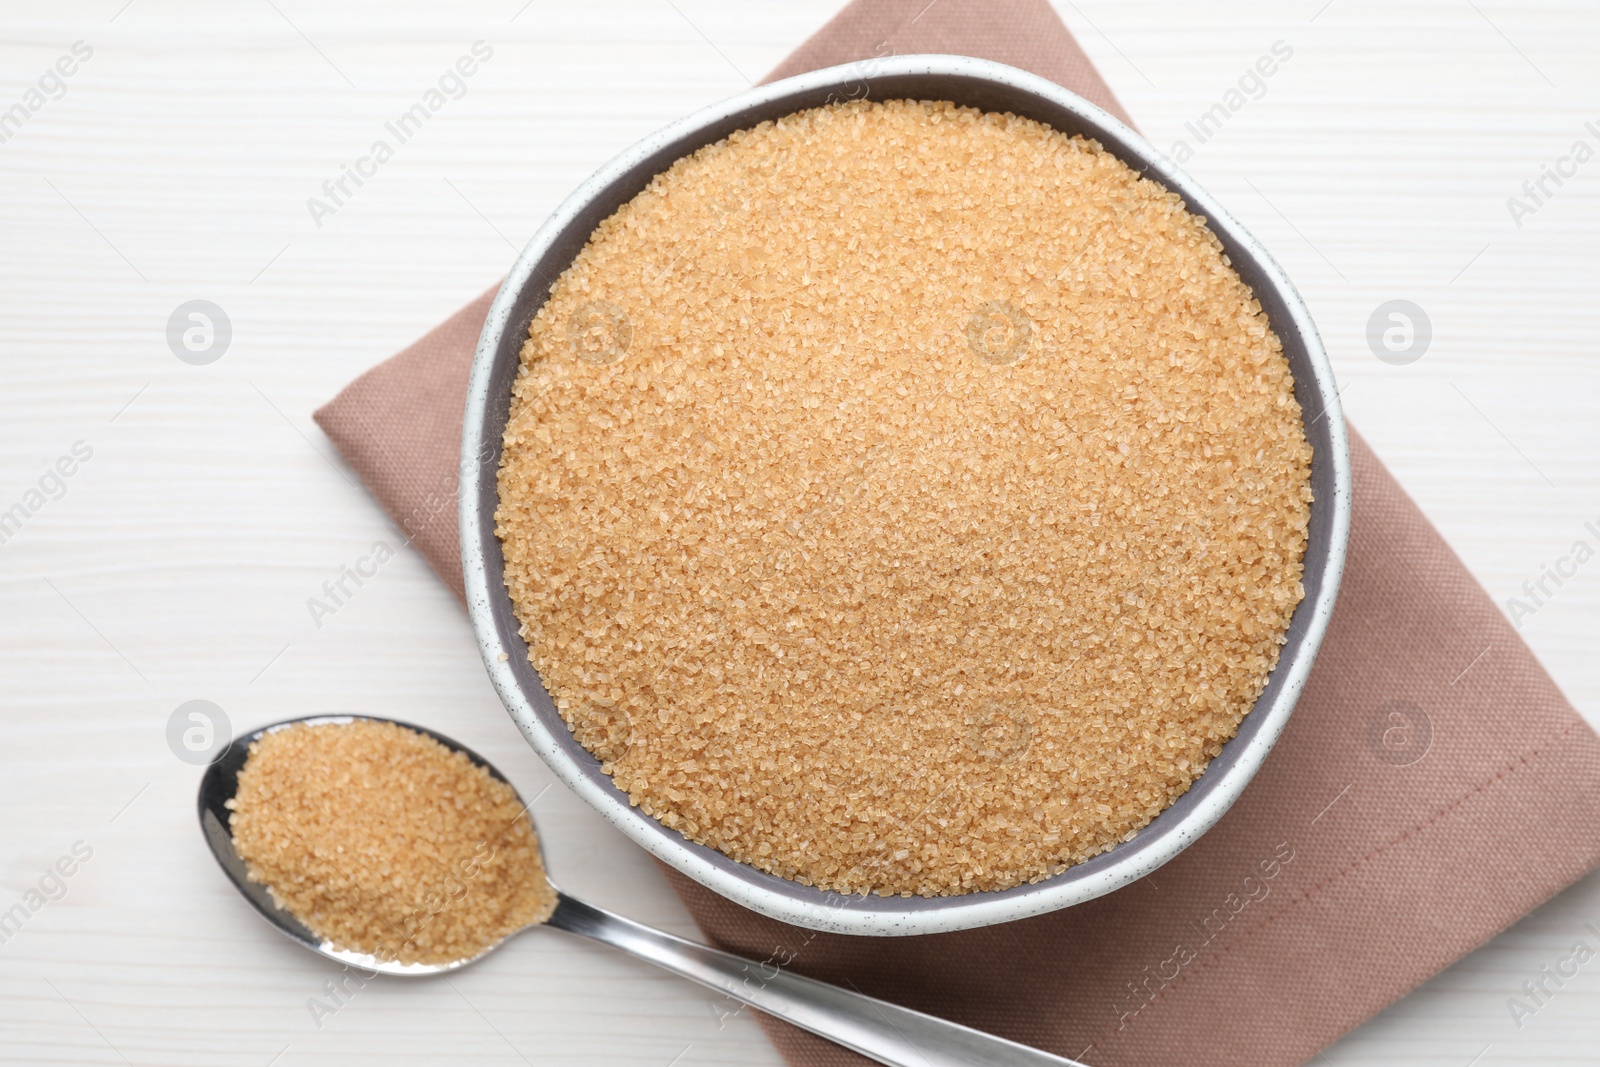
column 1433, row 784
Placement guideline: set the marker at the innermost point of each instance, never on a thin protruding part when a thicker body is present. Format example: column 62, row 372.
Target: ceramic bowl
column 991, row 87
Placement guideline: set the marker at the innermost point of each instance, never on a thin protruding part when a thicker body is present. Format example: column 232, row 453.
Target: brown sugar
column 904, row 499
column 384, row 841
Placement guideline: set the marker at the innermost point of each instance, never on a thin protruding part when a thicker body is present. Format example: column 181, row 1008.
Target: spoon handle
column 875, row 1028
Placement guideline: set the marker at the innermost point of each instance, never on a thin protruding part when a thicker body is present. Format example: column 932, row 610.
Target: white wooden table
column 176, row 561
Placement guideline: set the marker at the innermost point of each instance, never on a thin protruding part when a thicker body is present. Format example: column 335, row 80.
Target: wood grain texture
column 1376, row 164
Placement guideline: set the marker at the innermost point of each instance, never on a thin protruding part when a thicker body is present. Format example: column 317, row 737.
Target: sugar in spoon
column 874, row 1028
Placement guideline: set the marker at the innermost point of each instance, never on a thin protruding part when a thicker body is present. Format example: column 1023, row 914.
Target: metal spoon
column 875, row 1028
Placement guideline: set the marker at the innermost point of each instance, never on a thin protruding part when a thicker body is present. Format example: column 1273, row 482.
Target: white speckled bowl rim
column 991, row 87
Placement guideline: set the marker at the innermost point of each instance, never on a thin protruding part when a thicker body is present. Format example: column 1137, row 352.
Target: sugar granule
column 384, row 841
column 902, row 498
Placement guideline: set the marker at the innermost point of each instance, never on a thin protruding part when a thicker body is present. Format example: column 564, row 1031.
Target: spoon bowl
column 218, row 786
column 877, row 1029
